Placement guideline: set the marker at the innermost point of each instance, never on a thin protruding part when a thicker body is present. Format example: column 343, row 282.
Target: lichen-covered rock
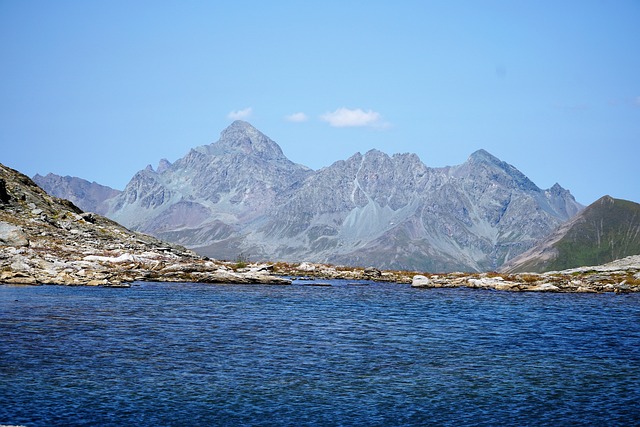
column 12, row 235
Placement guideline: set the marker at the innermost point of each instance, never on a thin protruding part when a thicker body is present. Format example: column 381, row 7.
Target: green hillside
column 608, row 229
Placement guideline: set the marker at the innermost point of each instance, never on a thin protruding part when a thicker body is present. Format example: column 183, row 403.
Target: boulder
column 97, row 282
column 12, row 235
column 544, row 287
column 420, row 281
column 264, row 268
column 17, row 278
column 305, row 266
column 126, row 257
column 506, row 286
column 498, row 283
column 266, row 279
column 372, row 273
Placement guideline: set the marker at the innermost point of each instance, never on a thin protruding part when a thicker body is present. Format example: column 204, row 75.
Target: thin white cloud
column 297, row 117
column 637, row 101
column 240, row 114
column 345, row 117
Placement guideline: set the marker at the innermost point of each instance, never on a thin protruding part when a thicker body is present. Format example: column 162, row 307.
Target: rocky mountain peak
column 557, row 188
column 605, row 200
column 483, row 156
column 163, row 165
column 242, row 137
column 488, row 160
column 560, row 192
column 482, row 163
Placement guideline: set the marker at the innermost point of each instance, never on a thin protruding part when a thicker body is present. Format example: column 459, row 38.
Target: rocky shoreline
column 34, row 265
column 619, row 276
column 121, row 271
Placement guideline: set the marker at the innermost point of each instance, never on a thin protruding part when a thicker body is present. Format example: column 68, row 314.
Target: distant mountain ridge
column 88, row 196
column 604, row 231
column 241, row 195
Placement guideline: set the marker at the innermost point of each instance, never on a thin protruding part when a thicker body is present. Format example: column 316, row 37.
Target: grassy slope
column 610, row 230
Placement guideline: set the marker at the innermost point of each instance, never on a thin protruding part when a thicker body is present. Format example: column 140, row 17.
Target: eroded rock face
column 4, row 195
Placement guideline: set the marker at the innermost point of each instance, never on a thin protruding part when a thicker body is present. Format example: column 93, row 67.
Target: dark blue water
column 383, row 354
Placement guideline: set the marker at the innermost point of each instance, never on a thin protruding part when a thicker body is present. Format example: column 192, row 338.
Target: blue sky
column 99, row 89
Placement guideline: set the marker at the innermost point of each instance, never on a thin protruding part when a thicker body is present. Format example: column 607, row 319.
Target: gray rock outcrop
column 12, row 235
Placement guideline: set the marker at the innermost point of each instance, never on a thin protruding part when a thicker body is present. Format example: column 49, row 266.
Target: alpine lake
column 335, row 353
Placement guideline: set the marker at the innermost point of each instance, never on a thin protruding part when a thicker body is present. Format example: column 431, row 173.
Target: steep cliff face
column 491, row 211
column 606, row 230
column 241, row 195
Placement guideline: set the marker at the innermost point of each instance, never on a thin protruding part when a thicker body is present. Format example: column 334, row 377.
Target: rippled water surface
column 346, row 355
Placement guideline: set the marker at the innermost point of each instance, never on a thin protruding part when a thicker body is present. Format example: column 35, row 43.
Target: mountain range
column 242, row 197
